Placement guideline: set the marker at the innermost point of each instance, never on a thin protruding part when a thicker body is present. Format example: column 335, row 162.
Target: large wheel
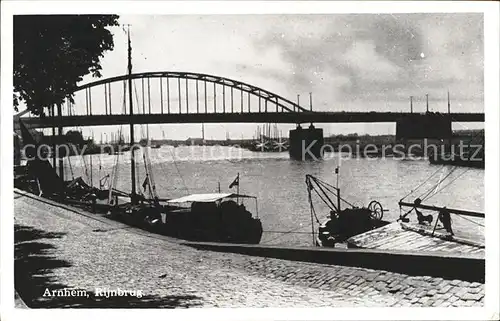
column 376, row 209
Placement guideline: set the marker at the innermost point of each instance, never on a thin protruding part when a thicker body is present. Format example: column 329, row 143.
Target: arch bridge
column 188, row 97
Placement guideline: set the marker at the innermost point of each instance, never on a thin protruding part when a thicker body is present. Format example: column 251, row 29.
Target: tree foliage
column 75, row 137
column 52, row 53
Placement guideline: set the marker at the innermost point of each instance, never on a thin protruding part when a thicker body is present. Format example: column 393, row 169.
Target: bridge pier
column 429, row 125
column 306, row 143
column 434, row 126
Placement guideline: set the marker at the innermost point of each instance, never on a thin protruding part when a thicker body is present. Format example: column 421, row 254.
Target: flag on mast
column 236, row 182
column 146, row 182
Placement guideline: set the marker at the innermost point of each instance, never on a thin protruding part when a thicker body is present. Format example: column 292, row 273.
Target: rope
column 311, row 204
column 85, row 165
column 427, row 192
column 180, row 175
column 100, row 169
column 151, row 176
column 426, row 197
column 288, row 232
column 114, row 173
column 329, row 188
column 136, row 178
column 137, row 104
column 425, row 181
column 146, row 157
column 467, row 219
column 148, row 179
column 333, row 191
column 114, row 178
column 454, row 179
column 323, row 197
column 436, row 186
column 149, row 160
column 137, row 108
column 439, row 183
column 71, row 168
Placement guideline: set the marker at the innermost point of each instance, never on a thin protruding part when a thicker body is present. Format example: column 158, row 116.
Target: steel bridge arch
column 280, row 101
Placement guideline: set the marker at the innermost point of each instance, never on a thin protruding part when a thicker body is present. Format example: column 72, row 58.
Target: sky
column 350, row 62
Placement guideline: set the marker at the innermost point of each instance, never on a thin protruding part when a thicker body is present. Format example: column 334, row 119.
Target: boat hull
column 349, row 223
column 193, row 226
column 204, row 227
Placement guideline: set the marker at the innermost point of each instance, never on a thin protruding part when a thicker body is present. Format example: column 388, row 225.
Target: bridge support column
column 306, row 143
column 430, row 125
column 437, row 126
column 433, row 126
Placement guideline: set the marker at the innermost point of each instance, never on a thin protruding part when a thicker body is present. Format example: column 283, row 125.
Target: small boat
column 342, row 223
column 365, row 228
column 212, row 217
column 217, row 217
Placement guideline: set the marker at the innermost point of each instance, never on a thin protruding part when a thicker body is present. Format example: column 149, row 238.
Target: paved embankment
column 57, row 248
column 462, row 266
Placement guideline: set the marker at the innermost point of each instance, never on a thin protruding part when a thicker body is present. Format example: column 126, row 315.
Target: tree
column 75, row 137
column 52, row 53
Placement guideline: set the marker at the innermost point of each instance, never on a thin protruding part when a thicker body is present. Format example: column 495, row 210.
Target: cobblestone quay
column 109, row 264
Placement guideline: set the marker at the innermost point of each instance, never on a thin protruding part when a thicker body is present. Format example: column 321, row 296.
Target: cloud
column 340, row 57
column 382, row 56
column 363, row 59
column 348, row 61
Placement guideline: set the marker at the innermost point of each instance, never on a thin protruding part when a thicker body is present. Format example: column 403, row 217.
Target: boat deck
column 413, row 237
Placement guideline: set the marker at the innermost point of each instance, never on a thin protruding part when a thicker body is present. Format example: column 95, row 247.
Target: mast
column 54, row 146
column 311, row 104
column 338, row 189
column 450, row 139
column 238, row 190
column 60, row 133
column 132, row 160
column 90, row 157
column 449, row 103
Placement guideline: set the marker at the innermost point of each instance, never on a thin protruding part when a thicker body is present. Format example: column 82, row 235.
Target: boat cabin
column 213, row 216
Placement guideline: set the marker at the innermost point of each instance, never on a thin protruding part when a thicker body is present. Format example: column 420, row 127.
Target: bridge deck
column 248, row 117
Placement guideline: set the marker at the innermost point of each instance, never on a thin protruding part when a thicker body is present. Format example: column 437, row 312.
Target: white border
column 491, row 40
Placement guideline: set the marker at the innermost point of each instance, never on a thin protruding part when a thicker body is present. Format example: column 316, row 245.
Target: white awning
column 210, row 197
column 207, row 198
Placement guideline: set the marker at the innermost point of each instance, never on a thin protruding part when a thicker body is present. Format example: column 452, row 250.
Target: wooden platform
column 413, row 237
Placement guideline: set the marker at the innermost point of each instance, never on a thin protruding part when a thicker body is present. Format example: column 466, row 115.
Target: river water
column 279, row 183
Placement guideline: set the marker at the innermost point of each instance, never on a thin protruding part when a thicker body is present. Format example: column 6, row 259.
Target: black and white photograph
column 209, row 155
